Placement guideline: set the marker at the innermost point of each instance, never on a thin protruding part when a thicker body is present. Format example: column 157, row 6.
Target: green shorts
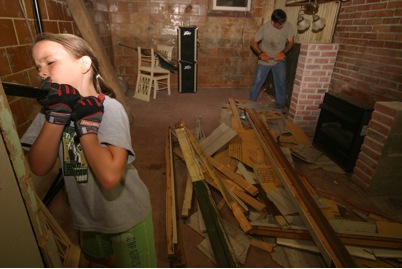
column 133, row 248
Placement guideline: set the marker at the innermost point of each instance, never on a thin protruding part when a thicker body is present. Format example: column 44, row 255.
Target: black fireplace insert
column 341, row 128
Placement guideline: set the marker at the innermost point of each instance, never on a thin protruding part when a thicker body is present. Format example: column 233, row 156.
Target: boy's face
column 52, row 60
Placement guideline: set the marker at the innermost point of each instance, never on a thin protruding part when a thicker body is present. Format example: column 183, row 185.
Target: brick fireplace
column 378, row 169
column 313, row 75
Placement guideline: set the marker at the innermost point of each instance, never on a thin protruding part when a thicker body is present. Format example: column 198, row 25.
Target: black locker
column 187, row 55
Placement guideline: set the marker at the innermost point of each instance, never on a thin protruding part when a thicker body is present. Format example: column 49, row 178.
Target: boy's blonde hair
column 78, row 47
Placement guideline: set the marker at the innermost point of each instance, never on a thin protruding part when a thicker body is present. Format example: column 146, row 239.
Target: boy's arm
column 44, row 151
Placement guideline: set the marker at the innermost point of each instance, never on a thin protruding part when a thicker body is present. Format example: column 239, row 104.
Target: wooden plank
column 282, row 201
column 171, row 225
column 187, row 200
column 251, row 201
column 298, row 134
column 353, row 227
column 250, row 152
column 233, row 205
column 219, row 241
column 294, row 258
column 271, row 207
column 87, row 28
column 217, row 139
column 308, row 245
column 329, row 244
column 266, row 176
column 237, row 178
column 390, row 228
column 250, row 177
column 347, row 239
column 223, row 157
column 52, row 252
column 261, row 245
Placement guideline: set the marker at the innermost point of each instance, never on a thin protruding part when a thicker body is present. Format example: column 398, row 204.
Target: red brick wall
column 16, row 63
column 313, row 75
column 369, row 63
column 224, row 57
column 378, row 171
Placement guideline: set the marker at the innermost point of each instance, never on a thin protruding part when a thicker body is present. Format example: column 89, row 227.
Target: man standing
column 271, row 43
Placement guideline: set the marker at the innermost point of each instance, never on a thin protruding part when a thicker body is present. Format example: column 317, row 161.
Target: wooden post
column 87, row 29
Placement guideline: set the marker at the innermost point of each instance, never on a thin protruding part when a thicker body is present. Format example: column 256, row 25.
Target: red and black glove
column 263, row 56
column 59, row 102
column 87, row 114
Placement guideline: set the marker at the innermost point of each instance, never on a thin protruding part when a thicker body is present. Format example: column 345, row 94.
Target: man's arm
column 255, row 47
column 289, row 45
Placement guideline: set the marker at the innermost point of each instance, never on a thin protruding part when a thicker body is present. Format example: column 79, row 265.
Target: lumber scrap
column 187, row 200
column 171, row 225
column 246, row 147
column 329, row 244
column 293, row 258
column 246, row 198
column 219, row 241
column 347, row 239
column 250, row 177
column 217, row 139
column 237, row 178
column 261, row 245
column 233, row 205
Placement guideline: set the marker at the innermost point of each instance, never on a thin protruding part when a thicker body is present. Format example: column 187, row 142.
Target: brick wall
column 224, row 57
column 369, row 63
column 16, row 63
column 313, row 76
column 378, row 168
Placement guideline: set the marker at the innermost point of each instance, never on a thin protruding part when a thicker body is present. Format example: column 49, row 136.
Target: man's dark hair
column 278, row 16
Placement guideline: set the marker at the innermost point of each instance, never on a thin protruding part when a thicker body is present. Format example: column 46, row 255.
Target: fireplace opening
column 341, row 128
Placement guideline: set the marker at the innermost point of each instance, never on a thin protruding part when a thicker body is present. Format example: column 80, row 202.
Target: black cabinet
column 341, row 128
column 187, row 57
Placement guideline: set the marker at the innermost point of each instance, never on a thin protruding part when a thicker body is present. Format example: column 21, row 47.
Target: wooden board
column 217, row 139
column 220, row 245
column 86, row 26
column 329, row 244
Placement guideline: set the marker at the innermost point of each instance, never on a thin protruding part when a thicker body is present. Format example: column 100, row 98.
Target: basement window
column 230, row 5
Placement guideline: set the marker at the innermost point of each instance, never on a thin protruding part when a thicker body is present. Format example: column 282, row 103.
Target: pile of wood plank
column 248, row 161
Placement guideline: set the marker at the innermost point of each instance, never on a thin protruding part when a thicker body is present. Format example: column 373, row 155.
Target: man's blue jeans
column 279, row 75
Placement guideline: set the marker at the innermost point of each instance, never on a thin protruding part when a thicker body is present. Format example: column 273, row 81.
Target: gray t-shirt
column 273, row 40
column 94, row 208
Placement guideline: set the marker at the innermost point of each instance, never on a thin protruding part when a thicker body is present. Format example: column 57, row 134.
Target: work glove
column 263, row 56
column 87, row 114
column 59, row 102
column 281, row 56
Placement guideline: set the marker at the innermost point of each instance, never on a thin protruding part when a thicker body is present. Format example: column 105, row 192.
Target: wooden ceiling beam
column 290, row 3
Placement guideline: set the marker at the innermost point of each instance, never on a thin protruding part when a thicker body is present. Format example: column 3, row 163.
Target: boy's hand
column 59, row 102
column 87, row 114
